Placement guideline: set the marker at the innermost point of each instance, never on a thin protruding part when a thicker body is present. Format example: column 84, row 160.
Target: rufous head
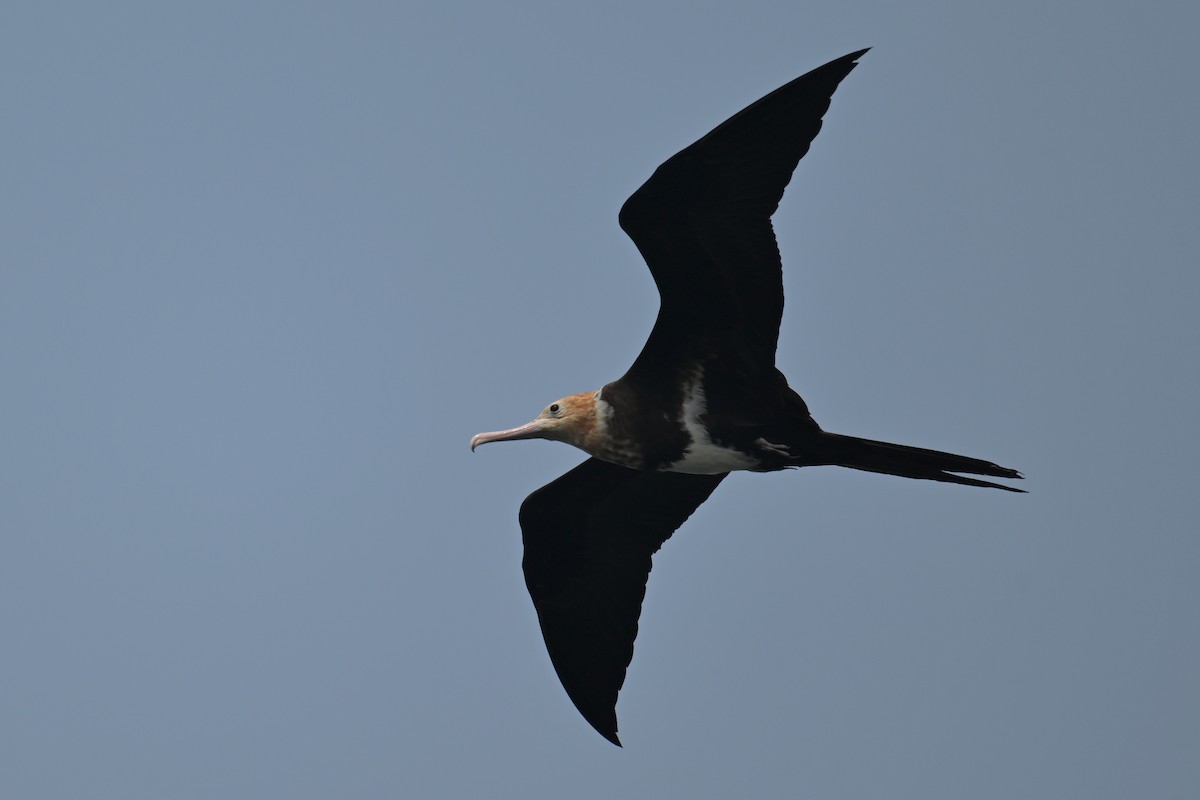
column 571, row 419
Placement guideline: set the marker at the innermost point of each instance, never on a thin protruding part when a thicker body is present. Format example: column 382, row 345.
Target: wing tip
column 850, row 60
column 604, row 722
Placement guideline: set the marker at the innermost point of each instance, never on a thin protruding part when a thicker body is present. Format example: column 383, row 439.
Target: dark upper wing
column 703, row 224
column 588, row 540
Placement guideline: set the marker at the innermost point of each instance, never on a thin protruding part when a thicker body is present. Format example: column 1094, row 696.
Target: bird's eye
column 554, row 408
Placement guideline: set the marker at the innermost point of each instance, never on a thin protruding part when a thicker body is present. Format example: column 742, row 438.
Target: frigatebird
column 702, row 398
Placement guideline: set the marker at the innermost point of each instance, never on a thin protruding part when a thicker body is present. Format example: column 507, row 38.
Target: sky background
column 265, row 268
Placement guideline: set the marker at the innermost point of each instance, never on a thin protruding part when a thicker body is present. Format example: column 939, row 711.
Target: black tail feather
column 907, row 462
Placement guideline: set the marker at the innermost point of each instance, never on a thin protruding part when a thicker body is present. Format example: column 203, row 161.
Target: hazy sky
column 265, row 268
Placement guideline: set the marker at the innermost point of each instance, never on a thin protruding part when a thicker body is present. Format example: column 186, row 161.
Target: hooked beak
column 530, row 430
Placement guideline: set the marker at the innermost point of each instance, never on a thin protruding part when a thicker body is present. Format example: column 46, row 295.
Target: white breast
column 702, row 457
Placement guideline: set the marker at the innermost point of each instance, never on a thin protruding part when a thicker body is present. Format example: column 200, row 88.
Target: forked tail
column 907, row 462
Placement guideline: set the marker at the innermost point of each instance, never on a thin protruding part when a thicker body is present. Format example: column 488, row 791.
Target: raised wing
column 589, row 536
column 703, row 224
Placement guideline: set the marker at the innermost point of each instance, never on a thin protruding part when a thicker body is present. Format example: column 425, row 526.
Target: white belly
column 706, row 458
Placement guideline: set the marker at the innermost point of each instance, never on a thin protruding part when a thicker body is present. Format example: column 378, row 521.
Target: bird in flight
column 703, row 398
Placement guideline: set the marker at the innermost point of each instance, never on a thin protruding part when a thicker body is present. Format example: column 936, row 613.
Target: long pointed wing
column 589, row 536
column 703, row 224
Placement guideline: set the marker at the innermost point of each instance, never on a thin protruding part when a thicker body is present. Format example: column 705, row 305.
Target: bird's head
column 573, row 419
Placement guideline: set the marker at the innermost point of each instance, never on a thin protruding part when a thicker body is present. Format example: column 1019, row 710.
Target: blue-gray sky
column 264, row 269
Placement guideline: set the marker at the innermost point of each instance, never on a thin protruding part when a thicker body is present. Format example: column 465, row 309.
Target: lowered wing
column 589, row 536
